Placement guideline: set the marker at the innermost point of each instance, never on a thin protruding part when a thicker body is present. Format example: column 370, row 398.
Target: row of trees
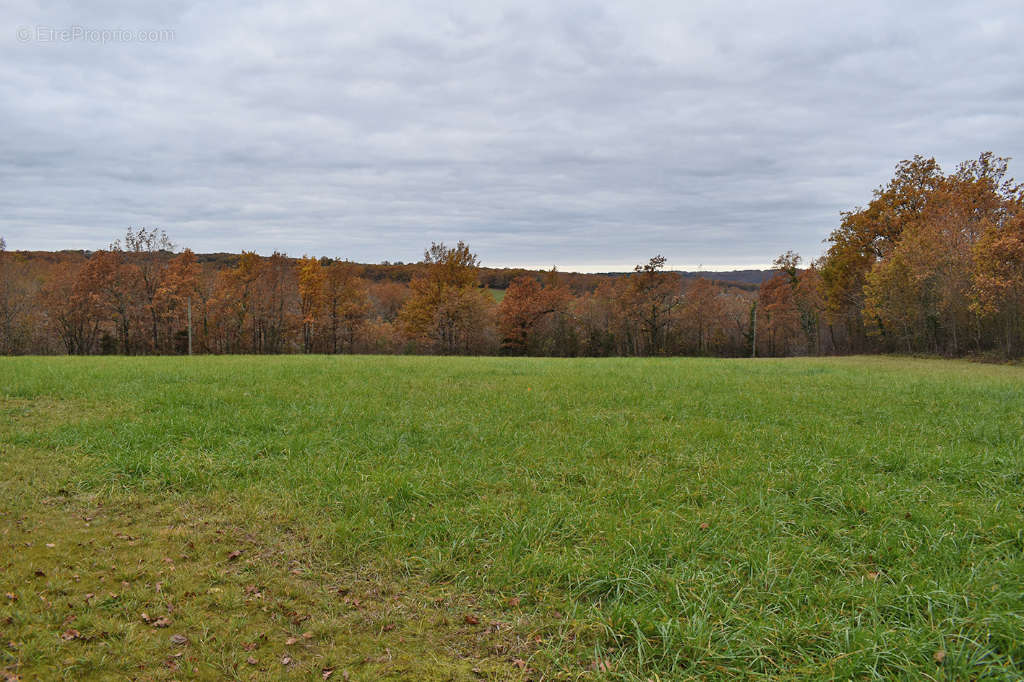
column 141, row 297
column 934, row 263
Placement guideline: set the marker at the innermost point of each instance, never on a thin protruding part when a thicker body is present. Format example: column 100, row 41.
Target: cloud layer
column 591, row 135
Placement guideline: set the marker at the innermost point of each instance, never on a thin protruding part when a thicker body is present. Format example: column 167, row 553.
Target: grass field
column 450, row 518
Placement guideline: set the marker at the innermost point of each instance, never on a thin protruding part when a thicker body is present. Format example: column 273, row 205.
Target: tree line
column 933, row 264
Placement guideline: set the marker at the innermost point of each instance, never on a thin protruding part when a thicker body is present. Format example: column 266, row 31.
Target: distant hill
column 745, row 276
column 493, row 278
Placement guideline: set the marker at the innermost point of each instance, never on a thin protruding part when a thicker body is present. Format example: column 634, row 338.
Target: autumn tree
column 273, row 303
column 525, row 304
column 865, row 236
column 702, row 309
column 74, row 309
column 311, row 298
column 778, row 317
column 920, row 290
column 806, row 293
column 177, row 291
column 346, row 306
column 147, row 252
column 231, row 304
column 447, row 311
column 998, row 288
column 647, row 299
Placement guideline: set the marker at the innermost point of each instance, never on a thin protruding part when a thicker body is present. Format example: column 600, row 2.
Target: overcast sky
column 591, row 135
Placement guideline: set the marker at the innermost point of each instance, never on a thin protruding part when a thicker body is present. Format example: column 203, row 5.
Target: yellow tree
column 178, row 289
column 998, row 290
column 447, row 311
column 311, row 298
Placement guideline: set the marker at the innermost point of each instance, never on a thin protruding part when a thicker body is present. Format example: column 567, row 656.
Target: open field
column 462, row 518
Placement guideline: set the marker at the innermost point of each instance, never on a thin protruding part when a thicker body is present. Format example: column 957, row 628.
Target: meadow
column 361, row 517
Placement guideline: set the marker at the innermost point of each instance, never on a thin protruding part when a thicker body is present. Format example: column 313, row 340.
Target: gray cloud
column 591, row 135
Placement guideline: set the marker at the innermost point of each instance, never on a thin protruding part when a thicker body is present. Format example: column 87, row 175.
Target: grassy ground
column 366, row 517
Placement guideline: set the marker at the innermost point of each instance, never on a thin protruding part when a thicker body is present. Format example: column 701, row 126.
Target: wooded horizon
column 933, row 264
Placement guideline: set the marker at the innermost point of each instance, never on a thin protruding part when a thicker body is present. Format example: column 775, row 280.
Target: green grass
column 615, row 518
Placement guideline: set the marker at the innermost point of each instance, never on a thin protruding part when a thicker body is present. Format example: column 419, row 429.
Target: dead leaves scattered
column 233, row 555
column 471, row 619
column 161, row 622
column 70, row 634
column 179, row 640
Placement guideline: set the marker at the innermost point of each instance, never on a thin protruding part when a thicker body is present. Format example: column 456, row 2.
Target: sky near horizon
column 588, row 135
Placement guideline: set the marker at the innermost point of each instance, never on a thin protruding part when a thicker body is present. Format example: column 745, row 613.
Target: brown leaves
column 471, row 619
column 11, row 596
column 705, row 525
column 233, row 555
column 286, row 660
column 939, row 656
column 513, row 601
column 179, row 640
column 161, row 622
column 70, row 634
column 295, row 640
